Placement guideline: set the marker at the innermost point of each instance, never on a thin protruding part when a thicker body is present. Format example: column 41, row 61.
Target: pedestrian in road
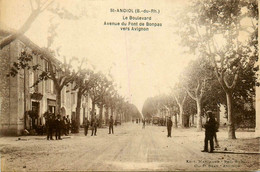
column 210, row 130
column 169, row 127
column 94, row 124
column 143, row 123
column 64, row 126
column 58, row 124
column 215, row 134
column 68, row 125
column 86, row 125
column 49, row 124
column 111, row 123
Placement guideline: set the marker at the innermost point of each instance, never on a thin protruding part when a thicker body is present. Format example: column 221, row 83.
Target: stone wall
column 11, row 116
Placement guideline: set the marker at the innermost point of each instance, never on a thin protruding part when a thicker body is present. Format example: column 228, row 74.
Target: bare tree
column 37, row 7
column 180, row 96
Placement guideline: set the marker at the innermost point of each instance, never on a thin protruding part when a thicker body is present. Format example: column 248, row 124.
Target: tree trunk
column 181, row 120
column 79, row 96
column 7, row 40
column 112, row 111
column 192, row 119
column 231, row 126
column 58, row 102
column 199, row 120
column 175, row 121
column 93, row 110
column 106, row 116
column 101, row 115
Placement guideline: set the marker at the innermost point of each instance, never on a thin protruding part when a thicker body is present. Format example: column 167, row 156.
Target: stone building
column 18, row 97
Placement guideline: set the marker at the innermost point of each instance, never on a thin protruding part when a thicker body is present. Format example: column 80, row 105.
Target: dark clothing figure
column 49, row 125
column 86, row 125
column 216, row 140
column 215, row 135
column 94, row 124
column 111, row 128
column 210, row 131
column 58, row 123
column 143, row 123
column 68, row 125
column 169, row 127
column 73, row 126
column 64, row 126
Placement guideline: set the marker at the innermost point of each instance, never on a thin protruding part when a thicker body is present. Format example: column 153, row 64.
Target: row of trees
column 85, row 81
column 100, row 88
column 224, row 72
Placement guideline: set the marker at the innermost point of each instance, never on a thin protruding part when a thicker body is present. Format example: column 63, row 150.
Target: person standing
column 68, row 125
column 143, row 123
column 215, row 134
column 94, row 124
column 49, row 124
column 111, row 123
column 86, row 125
column 169, row 127
column 58, row 123
column 64, row 126
column 210, row 130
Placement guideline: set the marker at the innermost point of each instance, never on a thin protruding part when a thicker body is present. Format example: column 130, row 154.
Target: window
column 31, row 81
column 52, row 90
column 36, row 87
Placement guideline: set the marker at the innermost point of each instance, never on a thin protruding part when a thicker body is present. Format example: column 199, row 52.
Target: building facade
column 18, row 98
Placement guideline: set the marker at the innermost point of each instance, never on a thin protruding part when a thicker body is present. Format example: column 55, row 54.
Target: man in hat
column 169, row 127
column 111, row 123
column 49, row 124
column 68, row 125
column 94, row 124
column 143, row 123
column 58, row 123
column 210, row 130
column 86, row 125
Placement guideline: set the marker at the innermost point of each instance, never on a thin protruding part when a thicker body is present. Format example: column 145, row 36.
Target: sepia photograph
column 129, row 85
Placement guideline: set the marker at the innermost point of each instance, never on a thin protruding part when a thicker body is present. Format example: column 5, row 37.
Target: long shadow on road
column 243, row 153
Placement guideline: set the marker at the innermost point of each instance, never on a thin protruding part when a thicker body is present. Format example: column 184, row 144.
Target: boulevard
column 129, row 148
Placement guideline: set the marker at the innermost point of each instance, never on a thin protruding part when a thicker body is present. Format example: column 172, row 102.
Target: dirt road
column 130, row 148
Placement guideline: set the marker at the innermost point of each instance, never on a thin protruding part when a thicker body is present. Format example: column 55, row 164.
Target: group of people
column 211, row 129
column 59, row 125
column 169, row 126
column 94, row 124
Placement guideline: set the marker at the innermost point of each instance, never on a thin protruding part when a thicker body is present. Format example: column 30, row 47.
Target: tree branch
column 184, row 98
column 234, row 81
column 31, row 5
column 7, row 40
column 189, row 93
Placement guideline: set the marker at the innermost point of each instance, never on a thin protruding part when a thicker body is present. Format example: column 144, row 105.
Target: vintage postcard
column 129, row 85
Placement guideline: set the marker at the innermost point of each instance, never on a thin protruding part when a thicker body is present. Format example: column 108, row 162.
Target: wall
column 11, row 93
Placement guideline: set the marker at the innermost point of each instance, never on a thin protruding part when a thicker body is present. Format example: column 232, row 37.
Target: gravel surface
column 130, row 148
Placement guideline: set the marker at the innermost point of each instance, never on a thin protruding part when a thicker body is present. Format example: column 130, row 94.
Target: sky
column 143, row 64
